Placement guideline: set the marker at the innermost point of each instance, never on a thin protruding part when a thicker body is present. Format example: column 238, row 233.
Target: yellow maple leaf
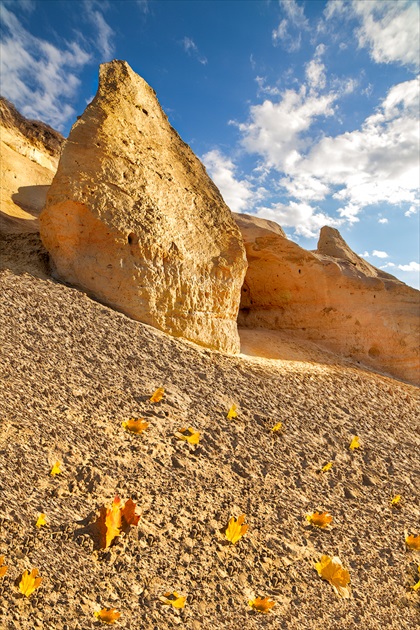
column 354, row 443
column 416, row 586
column 396, row 501
column 235, row 530
column 41, row 521
column 173, row 599
column 319, row 519
column 4, row 568
column 108, row 615
column 135, row 425
column 56, row 469
column 190, row 435
column 331, row 570
column 157, row 395
column 29, row 582
column 327, row 467
column 111, row 521
column 413, row 542
column 277, row 427
column 262, row 604
column 232, row 413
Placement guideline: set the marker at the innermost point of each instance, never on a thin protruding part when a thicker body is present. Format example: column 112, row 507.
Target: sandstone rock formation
column 332, row 296
column 133, row 218
column 30, row 151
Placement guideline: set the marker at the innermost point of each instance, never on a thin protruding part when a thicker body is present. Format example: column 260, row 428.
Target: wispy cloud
column 103, row 40
column 288, row 33
column 144, row 6
column 237, row 193
column 191, row 48
column 38, row 77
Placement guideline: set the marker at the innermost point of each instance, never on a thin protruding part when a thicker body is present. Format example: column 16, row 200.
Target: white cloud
column 38, row 77
column 412, row 266
column 390, row 30
column 413, row 210
column 379, row 254
column 383, row 220
column 364, row 255
column 315, row 70
column 294, row 22
column 104, row 33
column 306, row 220
column 191, row 48
column 144, row 6
column 238, row 194
column 295, row 13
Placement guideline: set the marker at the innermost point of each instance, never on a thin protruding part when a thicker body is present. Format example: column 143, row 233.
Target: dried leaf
column 157, row 395
column 262, row 604
column 4, row 568
column 327, row 467
column 135, row 425
column 277, row 427
column 111, row 521
column 354, row 443
column 235, row 530
column 190, row 435
column 396, row 501
column 41, row 521
column 108, row 615
column 416, row 586
column 56, row 469
column 29, row 582
column 319, row 519
column 173, row 599
column 413, row 542
column 331, row 570
column 232, row 413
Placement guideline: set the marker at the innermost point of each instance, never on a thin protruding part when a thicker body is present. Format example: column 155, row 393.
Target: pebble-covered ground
column 73, row 370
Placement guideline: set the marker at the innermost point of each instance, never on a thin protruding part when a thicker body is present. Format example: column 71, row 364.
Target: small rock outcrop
column 30, row 151
column 331, row 296
column 133, row 218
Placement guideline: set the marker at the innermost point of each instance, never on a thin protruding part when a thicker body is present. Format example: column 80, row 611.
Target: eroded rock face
column 332, row 296
column 30, row 151
column 133, row 218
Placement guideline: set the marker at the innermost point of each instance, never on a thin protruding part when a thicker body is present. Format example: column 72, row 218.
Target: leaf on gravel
column 173, row 599
column 277, row 427
column 232, row 413
column 111, row 521
column 157, row 395
column 29, row 582
column 3, row 569
column 413, row 542
column 190, row 435
column 235, row 530
column 319, row 519
column 108, row 615
column 327, row 467
column 56, row 469
column 41, row 521
column 416, row 586
column 262, row 604
column 396, row 501
column 354, row 443
column 135, row 425
column 331, row 570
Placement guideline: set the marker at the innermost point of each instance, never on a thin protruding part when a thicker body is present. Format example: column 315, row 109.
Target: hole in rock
column 133, row 239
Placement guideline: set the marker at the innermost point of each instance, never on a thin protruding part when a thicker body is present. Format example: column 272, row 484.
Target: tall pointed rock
column 133, row 218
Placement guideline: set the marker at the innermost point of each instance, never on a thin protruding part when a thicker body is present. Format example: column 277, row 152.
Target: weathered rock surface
column 331, row 296
column 30, row 151
column 133, row 218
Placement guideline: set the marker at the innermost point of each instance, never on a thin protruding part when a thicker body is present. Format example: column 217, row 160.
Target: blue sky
column 305, row 113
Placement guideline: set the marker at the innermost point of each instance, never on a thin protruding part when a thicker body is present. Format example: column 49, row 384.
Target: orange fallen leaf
column 277, row 427
column 111, row 521
column 327, row 467
column 396, row 501
column 41, row 521
column 190, row 435
column 413, row 542
column 56, row 469
column 135, row 425
column 319, row 519
column 416, row 586
column 232, row 413
column 108, row 615
column 29, row 582
column 235, row 530
column 262, row 604
column 354, row 443
column 157, row 395
column 3, row 569
column 331, row 570
column 173, row 599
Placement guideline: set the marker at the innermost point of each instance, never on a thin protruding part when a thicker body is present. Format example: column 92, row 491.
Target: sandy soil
column 73, row 370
